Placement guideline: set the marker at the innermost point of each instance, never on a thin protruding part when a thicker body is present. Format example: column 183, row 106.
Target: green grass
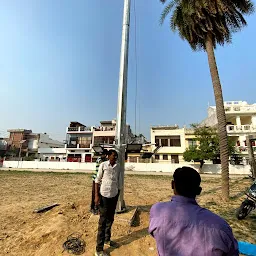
column 13, row 171
column 49, row 172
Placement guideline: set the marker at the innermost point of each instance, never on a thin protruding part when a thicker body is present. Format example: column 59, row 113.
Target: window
column 168, row 141
column 85, row 141
column 111, row 140
column 157, row 157
column 98, row 140
column 191, row 143
column 157, row 142
column 175, row 141
column 175, row 159
column 164, row 142
column 165, row 157
column 133, row 159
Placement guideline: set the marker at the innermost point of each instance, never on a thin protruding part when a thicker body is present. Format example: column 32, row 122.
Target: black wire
column 74, row 244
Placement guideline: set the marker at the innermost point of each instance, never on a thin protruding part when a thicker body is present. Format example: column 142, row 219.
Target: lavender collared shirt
column 182, row 228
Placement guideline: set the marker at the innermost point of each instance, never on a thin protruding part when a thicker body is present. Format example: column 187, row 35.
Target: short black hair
column 105, row 152
column 111, row 151
column 187, row 181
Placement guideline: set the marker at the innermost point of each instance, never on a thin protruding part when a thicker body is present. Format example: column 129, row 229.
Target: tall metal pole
column 122, row 100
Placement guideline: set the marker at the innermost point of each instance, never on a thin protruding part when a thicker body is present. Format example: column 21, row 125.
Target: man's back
column 182, row 228
column 98, row 162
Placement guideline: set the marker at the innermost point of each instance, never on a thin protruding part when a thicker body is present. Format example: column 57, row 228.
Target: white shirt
column 110, row 178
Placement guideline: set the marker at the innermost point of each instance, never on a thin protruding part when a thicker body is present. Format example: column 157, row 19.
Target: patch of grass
column 150, row 177
column 14, row 172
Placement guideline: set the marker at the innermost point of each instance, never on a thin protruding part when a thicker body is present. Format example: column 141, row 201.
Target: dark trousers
column 93, row 206
column 107, row 212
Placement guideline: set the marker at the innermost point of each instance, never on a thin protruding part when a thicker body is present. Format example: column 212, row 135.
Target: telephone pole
column 121, row 129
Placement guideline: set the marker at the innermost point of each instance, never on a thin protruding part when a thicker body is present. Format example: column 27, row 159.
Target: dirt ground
column 24, row 233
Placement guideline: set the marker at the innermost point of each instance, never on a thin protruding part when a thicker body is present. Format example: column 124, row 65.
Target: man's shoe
column 94, row 212
column 111, row 244
column 100, row 254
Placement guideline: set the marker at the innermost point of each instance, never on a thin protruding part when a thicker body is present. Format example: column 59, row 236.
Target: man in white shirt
column 107, row 186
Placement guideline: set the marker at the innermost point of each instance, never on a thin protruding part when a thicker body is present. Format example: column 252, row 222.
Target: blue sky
column 60, row 63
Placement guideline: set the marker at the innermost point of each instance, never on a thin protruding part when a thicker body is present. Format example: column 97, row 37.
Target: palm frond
column 166, row 11
column 196, row 19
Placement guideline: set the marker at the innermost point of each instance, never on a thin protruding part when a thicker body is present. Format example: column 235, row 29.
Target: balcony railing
column 79, row 129
column 87, row 145
column 241, row 109
column 241, row 128
column 84, row 145
column 104, row 129
column 245, row 149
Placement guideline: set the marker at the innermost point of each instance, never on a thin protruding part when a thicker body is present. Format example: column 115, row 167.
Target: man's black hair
column 105, row 152
column 187, row 181
column 111, row 151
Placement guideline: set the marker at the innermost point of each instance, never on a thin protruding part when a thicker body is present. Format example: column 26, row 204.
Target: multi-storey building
column 38, row 141
column 19, row 138
column 172, row 141
column 81, row 139
column 79, row 142
column 28, row 142
column 105, row 133
column 241, row 121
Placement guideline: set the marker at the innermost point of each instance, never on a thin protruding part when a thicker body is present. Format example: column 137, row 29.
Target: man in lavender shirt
column 182, row 228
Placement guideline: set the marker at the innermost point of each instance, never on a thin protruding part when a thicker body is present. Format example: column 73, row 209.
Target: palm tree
column 204, row 24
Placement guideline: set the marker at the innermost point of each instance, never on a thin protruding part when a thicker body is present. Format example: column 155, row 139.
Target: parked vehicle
column 248, row 204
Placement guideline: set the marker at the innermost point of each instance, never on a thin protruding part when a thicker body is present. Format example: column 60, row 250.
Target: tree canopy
column 208, row 145
column 196, row 20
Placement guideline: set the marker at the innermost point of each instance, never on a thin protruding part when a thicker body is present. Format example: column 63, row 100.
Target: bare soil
column 24, row 233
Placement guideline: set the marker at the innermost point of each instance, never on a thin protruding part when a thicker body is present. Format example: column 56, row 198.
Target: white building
column 52, row 154
column 241, row 121
column 81, row 139
column 172, row 143
column 106, row 132
column 79, row 142
column 37, row 141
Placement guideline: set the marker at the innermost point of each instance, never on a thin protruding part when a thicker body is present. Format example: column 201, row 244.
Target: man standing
column 106, row 196
column 94, row 208
column 182, row 228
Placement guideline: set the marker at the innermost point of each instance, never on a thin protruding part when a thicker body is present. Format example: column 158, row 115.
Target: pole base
column 120, row 208
column 123, row 210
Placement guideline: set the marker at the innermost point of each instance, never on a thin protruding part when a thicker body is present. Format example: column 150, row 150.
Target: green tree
column 29, row 158
column 208, row 147
column 205, row 24
column 13, row 152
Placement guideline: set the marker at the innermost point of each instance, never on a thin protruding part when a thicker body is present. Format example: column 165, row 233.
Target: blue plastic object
column 247, row 248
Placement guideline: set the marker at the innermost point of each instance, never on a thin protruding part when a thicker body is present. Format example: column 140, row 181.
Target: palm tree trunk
column 221, row 117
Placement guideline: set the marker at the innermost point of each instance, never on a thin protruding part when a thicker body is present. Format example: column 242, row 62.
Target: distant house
column 172, row 142
column 241, row 121
column 81, row 139
column 3, row 146
column 28, row 142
